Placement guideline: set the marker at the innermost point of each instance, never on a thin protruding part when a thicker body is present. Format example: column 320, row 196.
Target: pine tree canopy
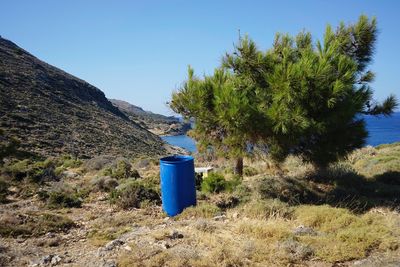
column 300, row 97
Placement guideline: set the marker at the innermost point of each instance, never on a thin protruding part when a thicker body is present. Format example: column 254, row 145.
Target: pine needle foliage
column 301, row 96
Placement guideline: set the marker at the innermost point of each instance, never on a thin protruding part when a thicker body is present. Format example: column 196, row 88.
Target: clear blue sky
column 138, row 51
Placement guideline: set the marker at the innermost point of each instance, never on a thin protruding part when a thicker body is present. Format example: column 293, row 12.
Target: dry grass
column 345, row 236
column 33, row 224
column 202, row 210
column 260, row 217
column 372, row 161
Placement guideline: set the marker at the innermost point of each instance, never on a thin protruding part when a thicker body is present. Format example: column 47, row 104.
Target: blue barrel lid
column 176, row 159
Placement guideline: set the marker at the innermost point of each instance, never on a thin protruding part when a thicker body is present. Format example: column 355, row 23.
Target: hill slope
column 53, row 112
column 155, row 123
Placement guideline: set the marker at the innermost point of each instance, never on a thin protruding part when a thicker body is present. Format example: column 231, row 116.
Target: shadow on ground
column 338, row 187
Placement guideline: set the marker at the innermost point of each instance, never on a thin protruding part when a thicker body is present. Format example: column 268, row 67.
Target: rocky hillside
column 155, row 123
column 53, row 112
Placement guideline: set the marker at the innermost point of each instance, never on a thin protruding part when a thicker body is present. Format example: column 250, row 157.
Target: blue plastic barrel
column 178, row 188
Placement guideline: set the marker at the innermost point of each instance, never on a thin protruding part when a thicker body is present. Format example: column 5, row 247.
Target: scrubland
column 106, row 211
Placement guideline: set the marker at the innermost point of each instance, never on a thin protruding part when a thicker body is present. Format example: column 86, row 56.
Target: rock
column 55, row 260
column 46, row 260
column 128, row 248
column 164, row 244
column 50, row 235
column 360, row 262
column 69, row 174
column 219, row 218
column 109, row 263
column 114, row 244
column 235, row 215
column 295, row 250
column 175, row 234
column 304, row 230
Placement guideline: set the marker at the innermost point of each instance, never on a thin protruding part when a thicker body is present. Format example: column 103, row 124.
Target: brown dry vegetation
column 297, row 218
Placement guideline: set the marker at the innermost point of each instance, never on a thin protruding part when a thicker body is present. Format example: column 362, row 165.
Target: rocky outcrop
column 155, row 123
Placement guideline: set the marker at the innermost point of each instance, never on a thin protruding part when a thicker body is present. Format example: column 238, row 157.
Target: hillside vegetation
column 106, row 212
column 52, row 112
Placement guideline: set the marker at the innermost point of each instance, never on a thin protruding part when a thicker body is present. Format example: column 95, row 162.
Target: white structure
column 203, row 170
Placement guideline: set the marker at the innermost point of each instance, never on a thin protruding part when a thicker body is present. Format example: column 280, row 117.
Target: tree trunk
column 239, row 167
column 320, row 172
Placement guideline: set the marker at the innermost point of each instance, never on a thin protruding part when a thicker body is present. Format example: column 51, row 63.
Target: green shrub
column 42, row 171
column 152, row 182
column 122, row 170
column 214, row 183
column 68, row 161
column 243, row 193
column 104, row 183
column 250, row 171
column 63, row 196
column 63, row 200
column 107, row 171
column 132, row 194
column 38, row 171
column 18, row 170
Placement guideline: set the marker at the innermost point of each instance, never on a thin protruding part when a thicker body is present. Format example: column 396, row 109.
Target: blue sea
column 382, row 130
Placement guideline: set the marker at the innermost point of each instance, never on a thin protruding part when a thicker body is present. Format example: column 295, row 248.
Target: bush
column 216, row 183
column 98, row 163
column 63, row 200
column 68, row 161
column 132, row 194
column 250, row 171
column 39, row 171
column 18, row 170
column 104, row 183
column 42, row 171
column 122, row 170
column 225, row 201
column 62, row 197
column 242, row 192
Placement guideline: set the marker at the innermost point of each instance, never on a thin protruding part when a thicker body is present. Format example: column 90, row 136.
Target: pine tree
column 223, row 114
column 299, row 97
column 313, row 96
